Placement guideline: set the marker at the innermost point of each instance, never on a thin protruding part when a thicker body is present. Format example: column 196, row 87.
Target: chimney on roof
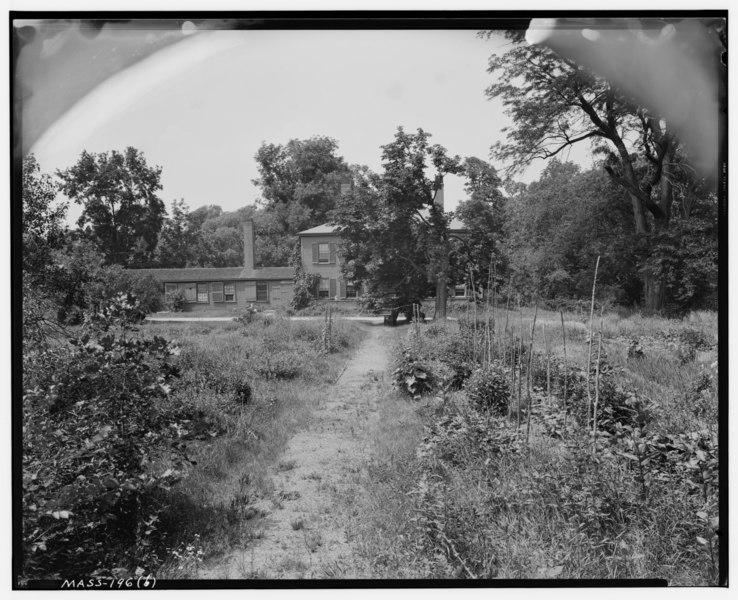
column 248, row 244
column 438, row 195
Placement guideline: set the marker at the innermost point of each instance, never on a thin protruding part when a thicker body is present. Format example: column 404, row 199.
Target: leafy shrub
column 249, row 315
column 175, row 301
column 110, row 281
column 279, row 365
column 488, row 389
column 411, row 376
column 460, row 438
column 616, row 404
column 702, row 396
column 99, row 445
column 306, row 284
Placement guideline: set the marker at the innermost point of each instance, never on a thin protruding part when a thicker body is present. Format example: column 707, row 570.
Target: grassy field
column 582, row 451
column 458, row 486
column 250, row 388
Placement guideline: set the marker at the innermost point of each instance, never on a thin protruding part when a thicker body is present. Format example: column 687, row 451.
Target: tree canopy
column 42, row 217
column 395, row 239
column 122, row 212
column 555, row 103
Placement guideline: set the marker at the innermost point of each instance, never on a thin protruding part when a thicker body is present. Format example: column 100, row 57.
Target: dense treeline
column 556, row 227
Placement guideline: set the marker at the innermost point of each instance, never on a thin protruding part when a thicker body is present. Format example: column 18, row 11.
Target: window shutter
column 333, row 254
column 217, row 291
column 332, row 288
column 315, row 253
column 341, row 288
column 251, row 291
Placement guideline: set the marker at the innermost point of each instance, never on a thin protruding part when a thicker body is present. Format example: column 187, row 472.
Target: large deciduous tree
column 43, row 218
column 555, row 103
column 556, row 228
column 395, row 238
column 483, row 215
column 122, row 212
column 300, row 180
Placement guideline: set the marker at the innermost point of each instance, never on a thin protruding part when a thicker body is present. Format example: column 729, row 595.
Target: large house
column 318, row 251
column 214, row 288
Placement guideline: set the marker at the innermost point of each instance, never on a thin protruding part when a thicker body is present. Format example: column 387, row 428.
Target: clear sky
column 202, row 107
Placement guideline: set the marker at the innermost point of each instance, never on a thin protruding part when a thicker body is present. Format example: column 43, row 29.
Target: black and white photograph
column 340, row 299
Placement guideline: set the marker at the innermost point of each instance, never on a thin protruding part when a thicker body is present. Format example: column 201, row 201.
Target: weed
column 313, row 540
column 286, row 465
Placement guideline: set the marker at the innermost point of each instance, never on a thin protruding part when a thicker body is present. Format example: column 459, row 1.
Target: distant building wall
column 246, row 293
column 319, row 255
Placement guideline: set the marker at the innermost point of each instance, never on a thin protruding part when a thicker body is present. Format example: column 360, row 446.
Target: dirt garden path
column 304, row 532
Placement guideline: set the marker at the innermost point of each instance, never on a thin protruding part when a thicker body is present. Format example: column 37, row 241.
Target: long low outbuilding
column 221, row 288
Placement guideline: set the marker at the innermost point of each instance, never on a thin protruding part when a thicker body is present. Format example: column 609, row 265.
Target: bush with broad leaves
column 100, row 443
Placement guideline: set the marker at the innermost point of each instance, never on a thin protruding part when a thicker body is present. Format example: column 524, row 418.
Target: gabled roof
column 324, row 229
column 218, row 274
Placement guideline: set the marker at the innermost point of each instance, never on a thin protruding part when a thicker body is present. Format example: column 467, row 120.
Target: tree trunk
column 654, row 285
column 654, row 288
column 639, row 214
column 441, row 292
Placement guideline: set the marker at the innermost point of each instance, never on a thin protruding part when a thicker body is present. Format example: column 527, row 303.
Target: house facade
column 230, row 287
column 319, row 253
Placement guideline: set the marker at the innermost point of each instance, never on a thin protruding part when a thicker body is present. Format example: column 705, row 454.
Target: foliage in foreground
column 639, row 502
column 114, row 417
column 99, row 443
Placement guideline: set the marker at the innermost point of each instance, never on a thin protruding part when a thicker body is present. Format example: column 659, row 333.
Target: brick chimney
column 438, row 195
column 248, row 244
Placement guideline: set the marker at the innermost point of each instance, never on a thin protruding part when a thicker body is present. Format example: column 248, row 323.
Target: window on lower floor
column 170, row 288
column 460, row 291
column 350, row 290
column 229, row 292
column 262, row 294
column 190, row 292
column 324, row 289
column 202, row 293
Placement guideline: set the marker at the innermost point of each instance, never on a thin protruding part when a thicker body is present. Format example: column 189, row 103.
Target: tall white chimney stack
column 248, row 244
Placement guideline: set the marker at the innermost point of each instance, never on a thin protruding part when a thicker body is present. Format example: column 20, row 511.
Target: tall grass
column 249, row 387
column 631, row 493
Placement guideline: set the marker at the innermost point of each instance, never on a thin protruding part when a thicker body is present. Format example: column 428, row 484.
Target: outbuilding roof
column 218, row 273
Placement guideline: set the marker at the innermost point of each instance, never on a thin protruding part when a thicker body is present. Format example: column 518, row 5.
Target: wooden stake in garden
column 512, row 375
column 520, row 361
column 474, row 299
column 597, row 388
column 527, row 376
column 566, row 368
column 548, row 367
column 488, row 333
column 589, row 353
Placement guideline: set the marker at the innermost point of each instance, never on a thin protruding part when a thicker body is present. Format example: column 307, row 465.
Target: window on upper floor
column 324, row 253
